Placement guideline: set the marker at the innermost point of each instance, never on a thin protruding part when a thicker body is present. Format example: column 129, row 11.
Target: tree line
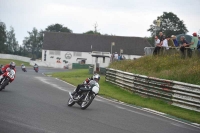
column 32, row 43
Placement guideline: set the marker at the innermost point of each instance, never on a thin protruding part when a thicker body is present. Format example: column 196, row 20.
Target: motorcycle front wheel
column 70, row 102
column 4, row 84
column 87, row 101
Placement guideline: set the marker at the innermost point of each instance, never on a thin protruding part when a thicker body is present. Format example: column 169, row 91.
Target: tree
column 33, row 43
column 92, row 32
column 58, row 28
column 11, row 43
column 150, row 40
column 170, row 25
column 95, row 32
column 2, row 37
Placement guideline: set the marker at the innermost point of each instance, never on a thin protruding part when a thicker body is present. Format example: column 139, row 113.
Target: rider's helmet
column 12, row 65
column 96, row 77
column 22, row 64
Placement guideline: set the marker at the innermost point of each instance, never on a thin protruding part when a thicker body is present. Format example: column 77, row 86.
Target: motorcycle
column 85, row 95
column 36, row 69
column 24, row 69
column 7, row 77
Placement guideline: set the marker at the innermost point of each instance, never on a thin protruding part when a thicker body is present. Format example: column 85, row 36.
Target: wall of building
column 57, row 58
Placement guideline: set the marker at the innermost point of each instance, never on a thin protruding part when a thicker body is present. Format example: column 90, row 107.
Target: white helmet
column 96, row 76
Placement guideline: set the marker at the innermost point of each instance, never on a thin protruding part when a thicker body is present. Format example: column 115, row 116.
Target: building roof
column 87, row 43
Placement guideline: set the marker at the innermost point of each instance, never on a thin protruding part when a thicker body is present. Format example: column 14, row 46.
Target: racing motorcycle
column 7, row 77
column 36, row 69
column 24, row 68
column 85, row 95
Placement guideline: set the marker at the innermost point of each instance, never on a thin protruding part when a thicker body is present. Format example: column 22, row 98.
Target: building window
column 77, row 54
column 57, row 52
column 51, row 52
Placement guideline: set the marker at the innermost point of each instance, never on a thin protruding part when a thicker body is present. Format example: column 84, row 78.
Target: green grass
column 18, row 63
column 109, row 90
column 170, row 67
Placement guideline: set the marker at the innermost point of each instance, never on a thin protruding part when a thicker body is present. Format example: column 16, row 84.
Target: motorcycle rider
column 7, row 68
column 95, row 77
column 22, row 65
column 35, row 66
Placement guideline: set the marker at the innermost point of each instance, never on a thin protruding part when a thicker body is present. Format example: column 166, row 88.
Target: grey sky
column 118, row 17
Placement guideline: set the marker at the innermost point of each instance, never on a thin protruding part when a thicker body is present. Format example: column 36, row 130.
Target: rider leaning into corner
column 22, row 65
column 7, row 68
column 95, row 77
column 35, row 66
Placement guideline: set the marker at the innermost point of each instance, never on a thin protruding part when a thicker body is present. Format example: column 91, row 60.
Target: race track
column 35, row 103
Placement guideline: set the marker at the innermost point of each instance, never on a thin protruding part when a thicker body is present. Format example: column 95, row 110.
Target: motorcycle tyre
column 88, row 104
column 70, row 104
column 4, row 85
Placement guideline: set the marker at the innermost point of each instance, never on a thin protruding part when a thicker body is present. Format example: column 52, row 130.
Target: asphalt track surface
column 35, row 103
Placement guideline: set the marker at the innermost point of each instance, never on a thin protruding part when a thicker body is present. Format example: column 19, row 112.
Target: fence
column 176, row 93
column 15, row 57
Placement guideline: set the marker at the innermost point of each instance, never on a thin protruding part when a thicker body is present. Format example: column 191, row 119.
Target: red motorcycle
column 36, row 69
column 7, row 77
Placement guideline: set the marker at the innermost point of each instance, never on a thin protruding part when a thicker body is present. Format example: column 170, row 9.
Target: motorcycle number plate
column 11, row 74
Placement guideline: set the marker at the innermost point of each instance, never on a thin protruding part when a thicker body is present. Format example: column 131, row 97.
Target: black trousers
column 156, row 50
column 185, row 50
column 78, row 87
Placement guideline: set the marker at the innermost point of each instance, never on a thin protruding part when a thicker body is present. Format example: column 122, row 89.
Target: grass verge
column 112, row 91
column 18, row 63
column 171, row 67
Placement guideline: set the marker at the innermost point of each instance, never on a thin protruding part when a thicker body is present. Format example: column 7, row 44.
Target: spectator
column 165, row 42
column 194, row 41
column 198, row 45
column 116, row 56
column 112, row 57
column 158, row 46
column 175, row 40
column 185, row 47
column 157, row 41
column 170, row 42
column 119, row 57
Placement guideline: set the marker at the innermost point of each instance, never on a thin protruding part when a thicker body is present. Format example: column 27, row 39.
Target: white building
column 59, row 48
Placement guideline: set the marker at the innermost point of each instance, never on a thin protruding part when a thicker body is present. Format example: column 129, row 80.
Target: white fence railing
column 15, row 57
column 177, row 93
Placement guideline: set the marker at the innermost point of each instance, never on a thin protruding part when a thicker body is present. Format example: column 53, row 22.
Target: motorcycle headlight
column 95, row 89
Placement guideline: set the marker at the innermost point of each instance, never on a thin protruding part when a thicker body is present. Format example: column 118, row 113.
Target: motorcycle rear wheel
column 84, row 105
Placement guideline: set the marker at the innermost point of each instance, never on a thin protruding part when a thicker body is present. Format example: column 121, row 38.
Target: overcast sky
column 118, row 17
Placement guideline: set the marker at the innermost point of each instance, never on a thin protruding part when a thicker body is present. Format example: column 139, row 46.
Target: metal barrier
column 176, row 93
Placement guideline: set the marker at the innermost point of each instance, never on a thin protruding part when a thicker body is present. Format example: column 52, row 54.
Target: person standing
column 116, row 56
column 198, row 45
column 185, row 47
column 175, row 40
column 157, row 41
column 158, row 47
column 194, row 41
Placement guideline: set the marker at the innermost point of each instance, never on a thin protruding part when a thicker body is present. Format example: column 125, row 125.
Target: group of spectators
column 115, row 57
column 166, row 42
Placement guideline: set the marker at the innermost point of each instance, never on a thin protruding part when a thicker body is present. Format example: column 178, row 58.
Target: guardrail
column 176, row 93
